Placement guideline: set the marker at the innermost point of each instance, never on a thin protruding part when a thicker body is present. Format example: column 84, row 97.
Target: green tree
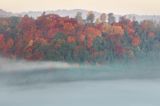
column 90, row 17
column 79, row 17
column 111, row 18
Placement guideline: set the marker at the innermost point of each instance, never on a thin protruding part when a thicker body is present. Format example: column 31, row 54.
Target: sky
column 116, row 6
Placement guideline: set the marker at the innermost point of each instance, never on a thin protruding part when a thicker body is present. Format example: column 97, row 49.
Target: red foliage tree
column 136, row 41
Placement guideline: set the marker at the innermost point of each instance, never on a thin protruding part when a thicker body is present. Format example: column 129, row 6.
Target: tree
column 81, row 54
column 117, row 31
column 103, row 17
column 97, row 21
column 136, row 41
column 111, row 18
column 124, row 20
column 71, row 39
column 79, row 18
column 90, row 17
column 147, row 25
column 99, row 44
column 1, row 41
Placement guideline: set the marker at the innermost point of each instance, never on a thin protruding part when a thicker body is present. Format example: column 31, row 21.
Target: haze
column 119, row 7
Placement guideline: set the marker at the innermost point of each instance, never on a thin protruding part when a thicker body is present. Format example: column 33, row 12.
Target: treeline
column 51, row 37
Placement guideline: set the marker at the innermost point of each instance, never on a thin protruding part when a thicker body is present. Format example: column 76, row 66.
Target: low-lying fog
column 134, row 83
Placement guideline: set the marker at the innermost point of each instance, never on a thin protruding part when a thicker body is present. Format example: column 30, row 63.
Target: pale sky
column 116, row 6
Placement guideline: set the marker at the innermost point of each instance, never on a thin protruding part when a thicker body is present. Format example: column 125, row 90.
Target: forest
column 54, row 38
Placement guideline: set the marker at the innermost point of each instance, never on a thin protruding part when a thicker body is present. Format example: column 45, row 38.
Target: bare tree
column 103, row 17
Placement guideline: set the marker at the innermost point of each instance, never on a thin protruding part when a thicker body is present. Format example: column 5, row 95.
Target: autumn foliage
column 51, row 37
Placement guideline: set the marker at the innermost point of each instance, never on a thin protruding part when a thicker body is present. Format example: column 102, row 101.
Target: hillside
column 51, row 37
column 5, row 14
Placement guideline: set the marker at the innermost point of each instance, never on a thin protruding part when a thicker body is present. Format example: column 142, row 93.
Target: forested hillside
column 51, row 37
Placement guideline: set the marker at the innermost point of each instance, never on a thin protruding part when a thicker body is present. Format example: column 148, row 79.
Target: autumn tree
column 147, row 25
column 2, row 43
column 97, row 21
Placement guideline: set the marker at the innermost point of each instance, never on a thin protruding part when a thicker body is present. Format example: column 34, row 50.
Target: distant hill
column 144, row 17
column 5, row 14
column 72, row 13
column 63, row 13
